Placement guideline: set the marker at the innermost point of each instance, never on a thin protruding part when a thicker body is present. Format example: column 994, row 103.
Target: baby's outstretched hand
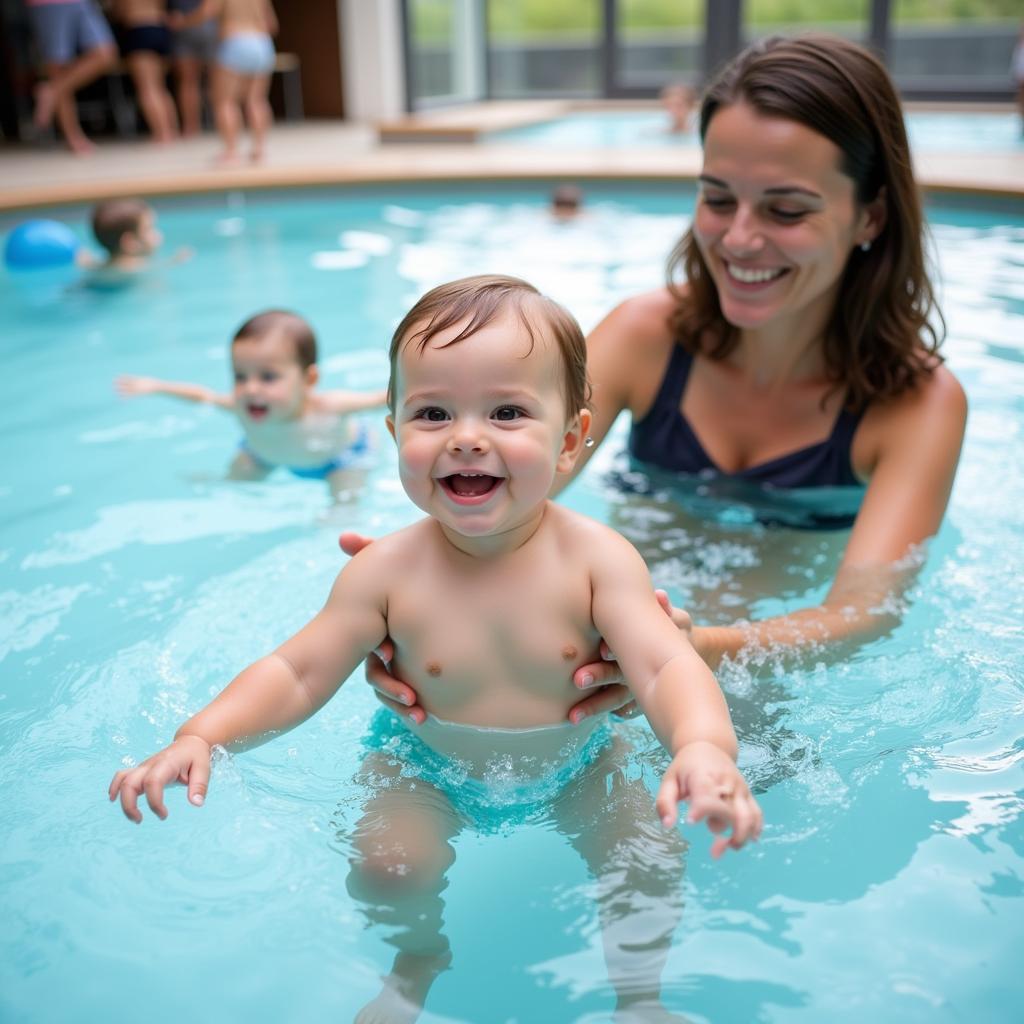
column 126, row 385
column 186, row 760
column 706, row 777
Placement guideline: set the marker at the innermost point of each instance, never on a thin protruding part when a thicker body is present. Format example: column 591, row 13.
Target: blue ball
column 40, row 243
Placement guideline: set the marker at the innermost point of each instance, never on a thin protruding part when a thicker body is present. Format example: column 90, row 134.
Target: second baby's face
column 270, row 385
column 481, row 426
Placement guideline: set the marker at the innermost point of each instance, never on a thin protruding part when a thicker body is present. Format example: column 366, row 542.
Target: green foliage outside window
column 511, row 20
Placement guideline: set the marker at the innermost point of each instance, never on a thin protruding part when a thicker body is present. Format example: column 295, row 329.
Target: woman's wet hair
column 296, row 330
column 477, row 301
column 886, row 328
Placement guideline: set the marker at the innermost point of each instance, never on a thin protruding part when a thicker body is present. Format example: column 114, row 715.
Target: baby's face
column 148, row 237
column 481, row 426
column 270, row 385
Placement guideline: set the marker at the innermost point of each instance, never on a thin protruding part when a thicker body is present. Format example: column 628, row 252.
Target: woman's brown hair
column 880, row 340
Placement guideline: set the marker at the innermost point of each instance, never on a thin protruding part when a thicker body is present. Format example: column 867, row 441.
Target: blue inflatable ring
column 40, row 243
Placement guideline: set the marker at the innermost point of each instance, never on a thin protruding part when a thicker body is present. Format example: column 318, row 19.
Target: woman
column 801, row 354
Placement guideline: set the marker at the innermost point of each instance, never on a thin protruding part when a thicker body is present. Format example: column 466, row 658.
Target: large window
column 545, row 47
column 953, row 45
column 657, row 42
column 445, row 58
column 507, row 49
column 849, row 18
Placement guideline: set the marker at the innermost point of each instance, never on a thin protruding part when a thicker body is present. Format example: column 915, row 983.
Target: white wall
column 372, row 59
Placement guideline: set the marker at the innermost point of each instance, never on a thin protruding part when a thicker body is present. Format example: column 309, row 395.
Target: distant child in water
column 566, row 203
column 492, row 602
column 127, row 232
column 286, row 422
column 680, row 102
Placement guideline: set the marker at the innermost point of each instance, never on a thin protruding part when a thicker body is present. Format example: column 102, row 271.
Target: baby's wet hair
column 291, row 325
column 113, row 218
column 475, row 302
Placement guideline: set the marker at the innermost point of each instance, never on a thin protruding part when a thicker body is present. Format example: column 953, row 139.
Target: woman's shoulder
column 937, row 394
column 639, row 326
column 647, row 314
column 932, row 412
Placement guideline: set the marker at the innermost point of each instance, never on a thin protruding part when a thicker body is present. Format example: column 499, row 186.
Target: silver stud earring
column 588, row 442
column 865, row 247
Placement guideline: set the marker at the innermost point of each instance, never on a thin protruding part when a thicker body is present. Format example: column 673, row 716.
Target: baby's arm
column 128, row 387
column 272, row 695
column 345, row 402
column 678, row 694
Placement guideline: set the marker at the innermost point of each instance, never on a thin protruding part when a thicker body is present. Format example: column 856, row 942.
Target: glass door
column 545, row 47
column 656, row 46
column 445, row 52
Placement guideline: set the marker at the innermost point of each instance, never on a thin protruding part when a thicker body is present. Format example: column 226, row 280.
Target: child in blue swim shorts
column 285, row 421
column 244, row 62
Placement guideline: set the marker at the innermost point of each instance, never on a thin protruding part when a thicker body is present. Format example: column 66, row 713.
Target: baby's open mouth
column 256, row 410
column 470, row 485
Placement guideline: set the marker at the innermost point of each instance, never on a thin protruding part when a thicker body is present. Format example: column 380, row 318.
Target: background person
column 76, row 47
column 679, row 101
column 146, row 46
column 244, row 63
column 192, row 53
column 285, row 421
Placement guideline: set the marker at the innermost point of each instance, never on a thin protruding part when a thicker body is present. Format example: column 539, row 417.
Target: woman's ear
column 873, row 217
column 573, row 440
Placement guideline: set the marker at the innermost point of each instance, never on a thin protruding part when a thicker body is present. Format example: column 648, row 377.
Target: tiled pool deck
column 338, row 152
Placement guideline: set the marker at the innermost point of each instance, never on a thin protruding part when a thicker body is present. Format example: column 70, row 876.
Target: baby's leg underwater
column 638, row 866
column 401, row 851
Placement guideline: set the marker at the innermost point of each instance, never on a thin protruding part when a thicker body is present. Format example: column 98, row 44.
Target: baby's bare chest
column 467, row 644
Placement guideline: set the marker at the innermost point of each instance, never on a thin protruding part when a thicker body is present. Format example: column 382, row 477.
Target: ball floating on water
column 40, row 243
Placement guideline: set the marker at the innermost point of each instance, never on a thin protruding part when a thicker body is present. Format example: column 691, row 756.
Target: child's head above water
column 273, row 359
column 126, row 227
column 487, row 396
column 566, row 202
column 474, row 302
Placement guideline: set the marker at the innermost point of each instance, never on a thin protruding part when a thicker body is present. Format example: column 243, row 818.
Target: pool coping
column 332, row 153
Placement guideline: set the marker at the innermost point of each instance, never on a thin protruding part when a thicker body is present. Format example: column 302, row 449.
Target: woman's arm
column 911, row 447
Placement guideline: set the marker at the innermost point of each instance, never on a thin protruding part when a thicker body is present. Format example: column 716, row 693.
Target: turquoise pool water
column 928, row 130
column 889, row 884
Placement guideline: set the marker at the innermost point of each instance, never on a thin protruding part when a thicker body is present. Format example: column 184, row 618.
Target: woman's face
column 776, row 220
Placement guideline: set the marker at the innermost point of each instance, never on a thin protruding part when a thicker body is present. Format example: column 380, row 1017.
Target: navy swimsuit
column 665, row 439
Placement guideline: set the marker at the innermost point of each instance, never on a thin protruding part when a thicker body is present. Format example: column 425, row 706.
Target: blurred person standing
column 76, row 47
column 193, row 51
column 241, row 77
column 146, row 45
